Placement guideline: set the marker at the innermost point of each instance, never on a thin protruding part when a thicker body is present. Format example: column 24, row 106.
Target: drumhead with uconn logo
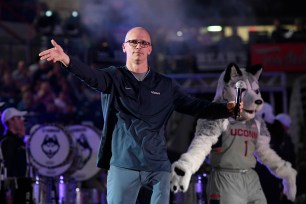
column 52, row 151
column 87, row 140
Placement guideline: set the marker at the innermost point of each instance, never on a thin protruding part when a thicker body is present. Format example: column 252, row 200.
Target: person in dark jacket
column 12, row 145
column 136, row 103
column 14, row 158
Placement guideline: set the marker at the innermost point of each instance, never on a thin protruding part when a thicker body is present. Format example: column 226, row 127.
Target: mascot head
column 251, row 97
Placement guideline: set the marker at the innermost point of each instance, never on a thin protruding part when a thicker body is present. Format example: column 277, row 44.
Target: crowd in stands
column 282, row 34
column 49, row 94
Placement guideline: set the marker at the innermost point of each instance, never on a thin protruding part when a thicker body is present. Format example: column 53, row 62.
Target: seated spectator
column 279, row 32
column 9, row 91
column 234, row 40
column 4, row 68
column 299, row 35
column 21, row 74
column 232, row 43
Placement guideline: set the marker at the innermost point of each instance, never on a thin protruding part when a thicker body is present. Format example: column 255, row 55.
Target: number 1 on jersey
column 246, row 148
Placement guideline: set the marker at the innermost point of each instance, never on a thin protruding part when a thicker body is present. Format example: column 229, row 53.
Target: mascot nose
column 258, row 102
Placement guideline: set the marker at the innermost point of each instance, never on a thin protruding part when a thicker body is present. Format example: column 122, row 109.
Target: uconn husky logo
column 85, row 150
column 50, row 145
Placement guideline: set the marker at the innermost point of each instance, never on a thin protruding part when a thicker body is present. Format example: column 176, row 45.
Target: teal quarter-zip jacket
column 136, row 113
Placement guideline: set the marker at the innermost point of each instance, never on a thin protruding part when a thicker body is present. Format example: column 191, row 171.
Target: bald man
column 137, row 103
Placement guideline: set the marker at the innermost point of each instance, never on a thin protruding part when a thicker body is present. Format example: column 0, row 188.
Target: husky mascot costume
column 234, row 146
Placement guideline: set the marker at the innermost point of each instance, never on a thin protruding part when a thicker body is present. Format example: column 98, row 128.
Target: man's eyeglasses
column 134, row 43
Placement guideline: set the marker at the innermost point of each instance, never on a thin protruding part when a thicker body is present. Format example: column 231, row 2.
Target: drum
column 93, row 196
column 63, row 188
column 87, row 140
column 52, row 150
column 196, row 193
column 23, row 190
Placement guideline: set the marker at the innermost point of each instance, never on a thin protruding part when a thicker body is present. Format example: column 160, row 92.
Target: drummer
column 12, row 145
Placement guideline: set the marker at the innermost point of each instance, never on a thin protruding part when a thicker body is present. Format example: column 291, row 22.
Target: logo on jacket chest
column 152, row 92
column 155, row 92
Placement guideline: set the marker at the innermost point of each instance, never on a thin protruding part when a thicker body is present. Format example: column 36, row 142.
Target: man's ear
column 123, row 48
column 150, row 50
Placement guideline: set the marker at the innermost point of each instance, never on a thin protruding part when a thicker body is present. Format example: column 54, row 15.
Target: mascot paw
column 180, row 177
column 289, row 184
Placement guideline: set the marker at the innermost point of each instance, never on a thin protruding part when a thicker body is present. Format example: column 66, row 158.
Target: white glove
column 207, row 133
column 289, row 185
column 180, row 177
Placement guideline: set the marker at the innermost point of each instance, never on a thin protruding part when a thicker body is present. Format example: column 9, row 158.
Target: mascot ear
column 255, row 70
column 231, row 72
